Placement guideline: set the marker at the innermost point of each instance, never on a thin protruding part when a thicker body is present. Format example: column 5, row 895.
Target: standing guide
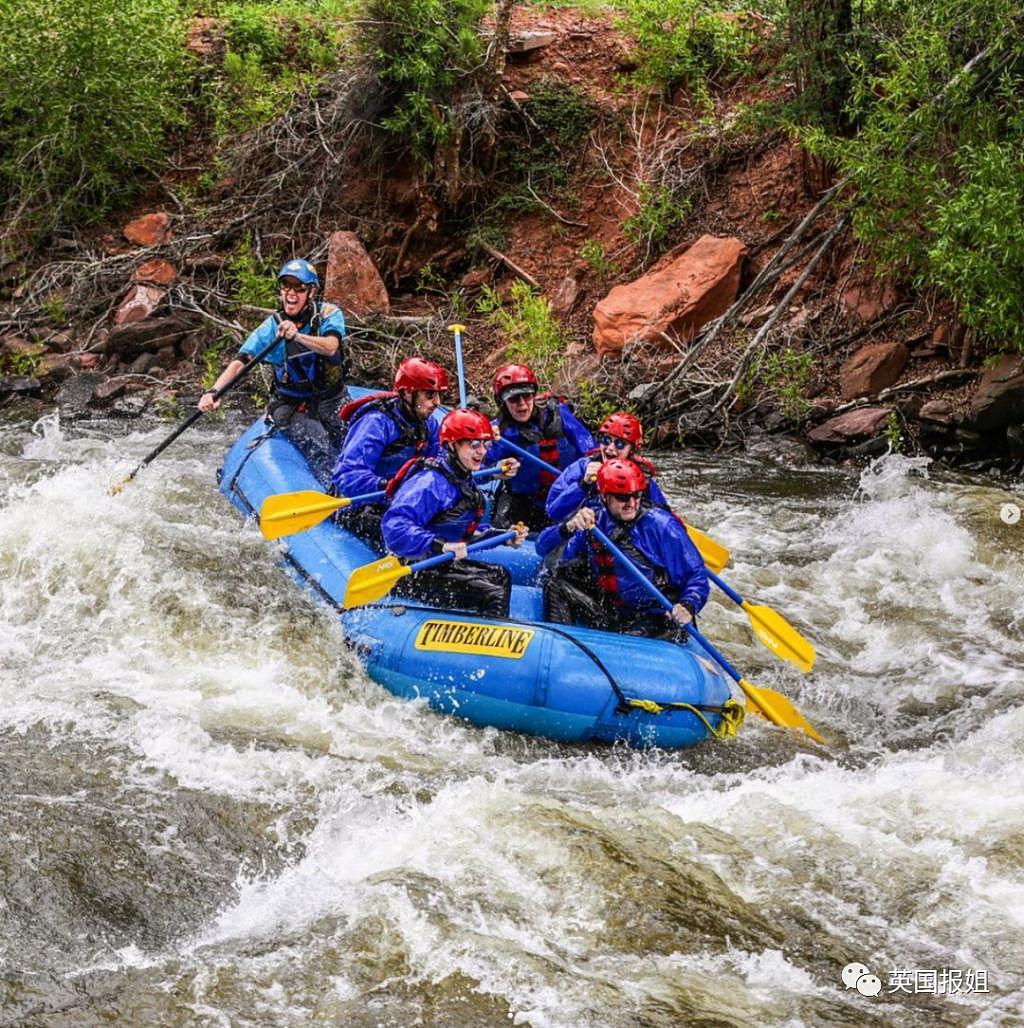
column 309, row 374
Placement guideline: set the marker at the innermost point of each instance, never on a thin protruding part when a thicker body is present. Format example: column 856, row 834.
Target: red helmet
column 463, row 423
column 417, row 373
column 513, row 380
column 620, row 476
column 625, row 426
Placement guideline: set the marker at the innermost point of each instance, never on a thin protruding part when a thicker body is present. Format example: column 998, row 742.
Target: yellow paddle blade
column 288, row 513
column 372, row 581
column 780, row 636
column 779, row 710
column 715, row 555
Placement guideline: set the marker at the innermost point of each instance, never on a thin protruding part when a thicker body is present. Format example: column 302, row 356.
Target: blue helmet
column 302, row 270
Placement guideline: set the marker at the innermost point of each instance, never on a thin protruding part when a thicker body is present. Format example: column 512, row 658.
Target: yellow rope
column 732, row 715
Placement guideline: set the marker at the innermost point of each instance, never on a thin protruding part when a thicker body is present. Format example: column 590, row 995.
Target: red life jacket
column 412, row 432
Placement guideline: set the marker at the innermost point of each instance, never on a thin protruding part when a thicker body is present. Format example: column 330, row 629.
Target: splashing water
column 213, row 816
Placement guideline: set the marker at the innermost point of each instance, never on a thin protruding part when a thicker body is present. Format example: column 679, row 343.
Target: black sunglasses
column 605, row 439
column 626, row 497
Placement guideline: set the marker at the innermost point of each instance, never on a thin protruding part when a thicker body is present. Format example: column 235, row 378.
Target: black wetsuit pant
column 510, row 507
column 364, row 521
column 314, row 427
column 571, row 597
column 469, row 585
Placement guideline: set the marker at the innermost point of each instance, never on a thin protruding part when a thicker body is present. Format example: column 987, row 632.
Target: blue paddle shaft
column 526, row 455
column 458, row 369
column 727, row 589
column 656, row 594
column 382, row 494
column 443, row 558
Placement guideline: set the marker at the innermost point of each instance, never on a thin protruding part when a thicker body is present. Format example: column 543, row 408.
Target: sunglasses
column 476, row 445
column 294, row 286
column 431, row 394
column 626, row 497
column 605, row 439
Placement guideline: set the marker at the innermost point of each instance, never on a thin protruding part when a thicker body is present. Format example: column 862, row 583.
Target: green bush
column 786, row 375
column 420, row 49
column 659, row 212
column 561, row 120
column 535, row 335
column 253, row 277
column 89, row 92
column 687, row 42
column 976, row 251
column 936, row 163
column 273, row 52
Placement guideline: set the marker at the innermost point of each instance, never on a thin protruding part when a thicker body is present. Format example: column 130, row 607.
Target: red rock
column 566, row 295
column 680, row 296
column 519, row 96
column 88, row 361
column 871, row 369
column 940, row 411
column 352, row 280
column 854, row 424
column 55, row 366
column 998, row 399
column 156, row 271
column 140, row 302
column 15, row 346
column 149, row 230
column 870, row 300
column 476, row 278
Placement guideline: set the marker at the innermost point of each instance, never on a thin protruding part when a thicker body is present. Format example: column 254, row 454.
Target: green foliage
column 935, row 162
column 976, row 248
column 893, row 434
column 535, row 336
column 212, row 360
column 660, row 212
column 55, row 309
column 89, row 90
column 687, row 42
column 420, row 49
column 273, row 51
column 592, row 403
column 253, row 277
column 560, row 120
column 786, row 375
column 600, row 263
column 21, row 363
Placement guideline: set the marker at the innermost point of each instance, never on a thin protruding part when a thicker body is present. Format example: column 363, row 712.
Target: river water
column 211, row 816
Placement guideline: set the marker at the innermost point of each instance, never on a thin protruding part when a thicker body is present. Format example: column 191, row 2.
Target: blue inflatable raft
column 562, row 682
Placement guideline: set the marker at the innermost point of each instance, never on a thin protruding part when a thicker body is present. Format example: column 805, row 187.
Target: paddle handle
column 443, row 558
column 657, row 594
column 460, row 373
